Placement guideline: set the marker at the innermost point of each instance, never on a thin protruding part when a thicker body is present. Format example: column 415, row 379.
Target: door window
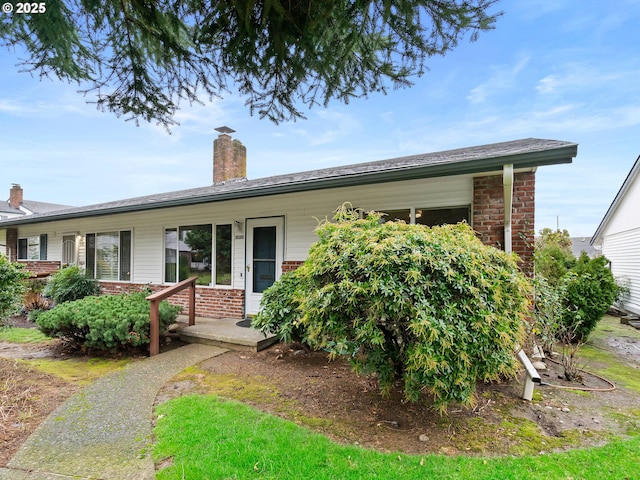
column 264, row 258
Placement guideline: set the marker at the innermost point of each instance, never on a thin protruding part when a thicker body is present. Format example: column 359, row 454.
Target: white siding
column 3, row 242
column 300, row 210
column 627, row 213
column 623, row 251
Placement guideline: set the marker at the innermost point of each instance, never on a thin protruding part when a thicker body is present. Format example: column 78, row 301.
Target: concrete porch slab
column 223, row 332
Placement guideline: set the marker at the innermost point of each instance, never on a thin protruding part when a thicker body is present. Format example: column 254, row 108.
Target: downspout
column 507, row 185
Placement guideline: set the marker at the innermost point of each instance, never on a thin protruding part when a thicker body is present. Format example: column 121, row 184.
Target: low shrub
column 12, row 287
column 433, row 307
column 589, row 292
column 108, row 322
column 69, row 284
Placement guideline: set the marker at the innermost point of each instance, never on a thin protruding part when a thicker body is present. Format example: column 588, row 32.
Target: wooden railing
column 154, row 317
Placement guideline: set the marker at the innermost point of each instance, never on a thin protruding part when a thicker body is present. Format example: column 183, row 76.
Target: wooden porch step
column 223, row 332
column 635, row 324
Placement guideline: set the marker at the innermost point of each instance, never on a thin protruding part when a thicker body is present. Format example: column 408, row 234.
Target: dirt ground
column 328, row 397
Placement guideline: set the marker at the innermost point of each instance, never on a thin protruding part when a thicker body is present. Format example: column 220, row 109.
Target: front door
column 264, row 258
column 69, row 250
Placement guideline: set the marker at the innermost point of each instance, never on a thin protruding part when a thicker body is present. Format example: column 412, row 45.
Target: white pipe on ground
column 532, row 377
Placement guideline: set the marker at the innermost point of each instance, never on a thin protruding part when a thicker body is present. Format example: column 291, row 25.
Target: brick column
column 488, row 214
column 523, row 218
column 12, row 244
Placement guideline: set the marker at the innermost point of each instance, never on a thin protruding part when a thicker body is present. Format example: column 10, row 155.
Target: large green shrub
column 108, row 322
column 69, row 284
column 589, row 293
column 12, row 287
column 433, row 307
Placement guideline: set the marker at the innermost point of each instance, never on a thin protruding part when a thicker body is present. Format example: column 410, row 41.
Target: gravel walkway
column 104, row 431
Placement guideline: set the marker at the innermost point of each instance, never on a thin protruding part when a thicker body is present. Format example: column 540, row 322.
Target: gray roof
column 527, row 153
column 32, row 206
column 582, row 244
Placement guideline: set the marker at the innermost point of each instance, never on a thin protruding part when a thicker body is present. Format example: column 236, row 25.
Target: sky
column 563, row 70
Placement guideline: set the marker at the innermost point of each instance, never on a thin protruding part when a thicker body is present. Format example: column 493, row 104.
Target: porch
column 224, row 332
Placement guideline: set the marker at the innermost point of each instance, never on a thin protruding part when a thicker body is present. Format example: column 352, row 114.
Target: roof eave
column 554, row 156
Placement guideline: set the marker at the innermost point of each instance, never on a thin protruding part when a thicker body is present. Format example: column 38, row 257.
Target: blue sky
column 564, row 70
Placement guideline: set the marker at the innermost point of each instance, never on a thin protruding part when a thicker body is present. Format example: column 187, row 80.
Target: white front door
column 264, row 258
column 69, row 252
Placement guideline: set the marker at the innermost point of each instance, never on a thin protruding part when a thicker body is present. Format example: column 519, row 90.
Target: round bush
column 590, row 290
column 107, row 323
column 431, row 306
column 69, row 284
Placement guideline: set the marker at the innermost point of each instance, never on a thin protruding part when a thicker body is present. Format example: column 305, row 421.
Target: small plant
column 547, row 313
column 70, row 283
column 108, row 322
column 589, row 293
column 33, row 298
column 12, row 287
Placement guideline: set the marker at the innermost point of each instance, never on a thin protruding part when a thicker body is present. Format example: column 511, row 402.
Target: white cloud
column 503, row 77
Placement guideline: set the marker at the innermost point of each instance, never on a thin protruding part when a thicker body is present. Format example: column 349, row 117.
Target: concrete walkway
column 104, row 431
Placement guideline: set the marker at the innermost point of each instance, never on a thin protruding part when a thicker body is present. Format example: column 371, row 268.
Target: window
column 188, row 252
column 396, row 215
column 442, row 216
column 223, row 254
column 109, row 255
column 33, row 248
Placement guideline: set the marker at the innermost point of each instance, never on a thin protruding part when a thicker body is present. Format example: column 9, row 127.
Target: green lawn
column 211, row 438
column 22, row 335
column 207, row 437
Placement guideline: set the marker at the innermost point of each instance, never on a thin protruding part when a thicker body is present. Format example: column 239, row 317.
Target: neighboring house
column 238, row 236
column 618, row 237
column 17, row 207
column 583, row 244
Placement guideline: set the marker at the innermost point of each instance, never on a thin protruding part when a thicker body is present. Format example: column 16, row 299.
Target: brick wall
column 488, row 214
column 12, row 244
column 290, row 265
column 40, row 266
column 210, row 302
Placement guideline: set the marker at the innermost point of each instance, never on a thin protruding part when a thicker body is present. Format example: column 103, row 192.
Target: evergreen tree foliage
column 433, row 307
column 106, row 323
column 142, row 58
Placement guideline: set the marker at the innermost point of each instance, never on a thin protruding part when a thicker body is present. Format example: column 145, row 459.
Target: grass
column 22, row 335
column 595, row 356
column 77, row 370
column 207, row 437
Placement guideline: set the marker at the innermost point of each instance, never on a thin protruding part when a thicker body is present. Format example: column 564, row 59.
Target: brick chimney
column 229, row 157
column 15, row 196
